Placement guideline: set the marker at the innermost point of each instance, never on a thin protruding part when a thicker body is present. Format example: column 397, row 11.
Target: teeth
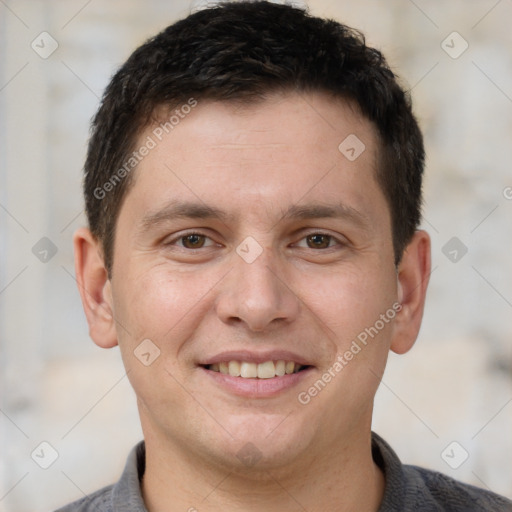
column 234, row 368
column 290, row 366
column 280, row 368
column 246, row 370
column 266, row 370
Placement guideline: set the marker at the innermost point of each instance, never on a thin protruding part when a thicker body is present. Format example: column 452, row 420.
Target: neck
column 344, row 478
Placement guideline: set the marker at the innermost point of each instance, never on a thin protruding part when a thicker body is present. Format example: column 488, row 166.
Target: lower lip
column 257, row 388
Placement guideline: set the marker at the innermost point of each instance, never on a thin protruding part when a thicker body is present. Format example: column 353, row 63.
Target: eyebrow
column 182, row 210
column 192, row 210
column 323, row 211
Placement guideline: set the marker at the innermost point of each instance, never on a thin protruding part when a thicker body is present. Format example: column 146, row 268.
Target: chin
column 263, row 442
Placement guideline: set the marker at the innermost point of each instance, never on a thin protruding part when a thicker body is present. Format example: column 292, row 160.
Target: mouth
column 256, row 375
column 251, row 370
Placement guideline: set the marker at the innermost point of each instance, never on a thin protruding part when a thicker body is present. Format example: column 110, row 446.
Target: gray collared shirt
column 408, row 488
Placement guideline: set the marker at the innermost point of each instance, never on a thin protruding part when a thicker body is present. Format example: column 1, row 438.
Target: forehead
column 272, row 153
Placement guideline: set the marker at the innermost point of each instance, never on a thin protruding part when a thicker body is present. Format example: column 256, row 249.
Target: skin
column 254, row 163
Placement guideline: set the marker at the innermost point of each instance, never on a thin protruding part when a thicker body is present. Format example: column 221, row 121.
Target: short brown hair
column 243, row 51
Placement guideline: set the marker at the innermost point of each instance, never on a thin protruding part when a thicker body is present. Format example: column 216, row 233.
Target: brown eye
column 318, row 241
column 193, row 241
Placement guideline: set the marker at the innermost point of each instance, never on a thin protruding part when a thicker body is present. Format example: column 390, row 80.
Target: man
column 253, row 191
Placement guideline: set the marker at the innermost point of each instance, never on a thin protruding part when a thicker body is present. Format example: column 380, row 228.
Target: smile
column 250, row 370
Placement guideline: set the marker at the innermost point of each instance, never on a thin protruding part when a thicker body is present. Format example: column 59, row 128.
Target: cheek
column 349, row 304
column 165, row 307
column 162, row 305
column 350, row 300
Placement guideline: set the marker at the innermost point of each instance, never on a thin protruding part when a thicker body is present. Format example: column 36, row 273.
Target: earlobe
column 95, row 288
column 413, row 277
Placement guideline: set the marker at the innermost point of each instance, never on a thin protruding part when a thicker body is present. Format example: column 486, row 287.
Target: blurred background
column 446, row 405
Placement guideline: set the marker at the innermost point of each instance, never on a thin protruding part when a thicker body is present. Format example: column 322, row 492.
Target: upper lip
column 255, row 357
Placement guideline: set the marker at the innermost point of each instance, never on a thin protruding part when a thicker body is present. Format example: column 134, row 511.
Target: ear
column 413, row 277
column 95, row 288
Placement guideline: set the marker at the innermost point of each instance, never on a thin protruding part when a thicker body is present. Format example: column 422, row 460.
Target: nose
column 257, row 294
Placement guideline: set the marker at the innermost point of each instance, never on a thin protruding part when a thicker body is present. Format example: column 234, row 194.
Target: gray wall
column 59, row 388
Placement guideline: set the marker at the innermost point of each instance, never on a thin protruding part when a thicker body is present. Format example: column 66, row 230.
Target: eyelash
column 182, row 236
column 185, row 235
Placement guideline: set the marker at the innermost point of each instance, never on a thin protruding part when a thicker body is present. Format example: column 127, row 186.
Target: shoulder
column 123, row 496
column 99, row 501
column 445, row 493
column 422, row 490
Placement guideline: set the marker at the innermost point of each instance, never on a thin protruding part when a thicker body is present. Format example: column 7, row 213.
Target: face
column 249, row 242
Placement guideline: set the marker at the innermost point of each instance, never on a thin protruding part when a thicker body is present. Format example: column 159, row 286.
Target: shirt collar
column 127, row 494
